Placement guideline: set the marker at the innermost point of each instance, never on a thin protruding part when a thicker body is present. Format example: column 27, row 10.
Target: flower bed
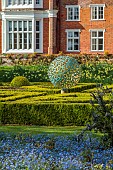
column 45, row 152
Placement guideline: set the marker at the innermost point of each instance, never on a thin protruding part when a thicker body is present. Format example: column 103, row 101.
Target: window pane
column 15, row 25
column 100, row 34
column 30, row 40
column 15, row 40
column 70, row 44
column 37, row 41
column 94, row 43
column 19, row 2
column 20, row 40
column 70, row 34
column 15, row 2
column 30, row 1
column 100, row 47
column 24, row 1
column 25, row 40
column 94, row 12
column 20, row 25
column 30, row 25
column 25, row 25
column 76, row 34
column 37, row 1
column 10, row 40
column 37, row 26
column 100, row 44
column 76, row 13
column 76, row 47
column 10, row 25
column 9, row 2
column 94, row 34
column 100, row 12
column 70, row 13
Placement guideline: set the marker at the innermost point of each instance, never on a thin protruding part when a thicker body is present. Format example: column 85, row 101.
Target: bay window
column 21, row 36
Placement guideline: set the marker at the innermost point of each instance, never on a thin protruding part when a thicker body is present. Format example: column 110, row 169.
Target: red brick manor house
column 50, row 26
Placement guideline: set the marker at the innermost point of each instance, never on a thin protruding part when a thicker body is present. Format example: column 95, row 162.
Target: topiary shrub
column 64, row 72
column 19, row 81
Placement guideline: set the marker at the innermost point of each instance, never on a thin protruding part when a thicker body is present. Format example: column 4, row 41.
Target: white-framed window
column 38, row 35
column 97, row 11
column 22, row 4
column 38, row 1
column 19, row 2
column 22, row 35
column 97, row 40
column 73, row 12
column 73, row 40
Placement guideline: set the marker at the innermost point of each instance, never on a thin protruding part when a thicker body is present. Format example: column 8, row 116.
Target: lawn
column 67, row 130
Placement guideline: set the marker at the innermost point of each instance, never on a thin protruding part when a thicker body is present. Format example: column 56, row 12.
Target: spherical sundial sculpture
column 64, row 72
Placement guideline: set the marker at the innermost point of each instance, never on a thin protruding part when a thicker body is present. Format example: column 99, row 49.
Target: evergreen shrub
column 19, row 81
column 45, row 114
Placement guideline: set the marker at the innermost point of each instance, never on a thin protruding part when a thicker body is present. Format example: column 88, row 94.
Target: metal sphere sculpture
column 64, row 72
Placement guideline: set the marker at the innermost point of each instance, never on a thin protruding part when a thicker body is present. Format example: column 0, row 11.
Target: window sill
column 97, row 20
column 23, row 51
column 22, row 6
column 73, row 51
column 73, row 20
column 97, row 51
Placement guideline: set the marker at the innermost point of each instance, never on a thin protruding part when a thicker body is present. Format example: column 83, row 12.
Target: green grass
column 34, row 130
column 40, row 129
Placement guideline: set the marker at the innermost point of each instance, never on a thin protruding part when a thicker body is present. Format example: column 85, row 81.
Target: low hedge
column 47, row 114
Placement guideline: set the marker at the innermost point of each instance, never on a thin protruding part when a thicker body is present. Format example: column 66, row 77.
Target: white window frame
column 40, row 36
column 5, row 33
column 73, row 38
column 97, row 7
column 38, row 5
column 73, row 8
column 17, row 32
column 97, row 39
column 21, row 6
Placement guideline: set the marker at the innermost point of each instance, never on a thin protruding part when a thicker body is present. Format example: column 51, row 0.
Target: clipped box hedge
column 45, row 114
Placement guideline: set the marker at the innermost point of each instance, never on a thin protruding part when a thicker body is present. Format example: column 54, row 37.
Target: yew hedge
column 48, row 114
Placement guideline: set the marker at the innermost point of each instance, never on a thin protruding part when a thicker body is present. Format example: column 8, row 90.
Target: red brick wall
column 85, row 24
column 0, row 28
column 0, row 5
column 45, row 35
column 46, row 4
column 0, row 36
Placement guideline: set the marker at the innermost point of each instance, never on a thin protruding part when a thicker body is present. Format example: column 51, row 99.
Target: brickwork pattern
column 58, row 36
column 45, row 35
column 85, row 24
